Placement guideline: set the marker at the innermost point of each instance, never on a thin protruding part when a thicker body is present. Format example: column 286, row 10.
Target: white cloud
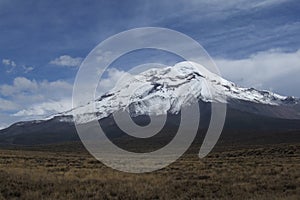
column 27, row 69
column 35, row 99
column 45, row 108
column 266, row 3
column 67, row 61
column 13, row 65
column 232, row 4
column 38, row 99
column 264, row 70
column 214, row 8
column 6, row 62
column 5, row 121
column 113, row 76
column 20, row 84
column 6, row 105
column 9, row 63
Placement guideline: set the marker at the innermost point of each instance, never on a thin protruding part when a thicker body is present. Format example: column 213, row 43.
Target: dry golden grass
column 271, row 172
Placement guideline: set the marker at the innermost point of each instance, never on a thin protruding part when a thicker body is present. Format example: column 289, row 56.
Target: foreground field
column 269, row 172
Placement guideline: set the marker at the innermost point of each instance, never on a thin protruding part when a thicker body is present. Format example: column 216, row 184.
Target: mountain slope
column 165, row 91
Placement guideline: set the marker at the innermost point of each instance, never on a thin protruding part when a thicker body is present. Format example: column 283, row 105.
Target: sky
column 42, row 44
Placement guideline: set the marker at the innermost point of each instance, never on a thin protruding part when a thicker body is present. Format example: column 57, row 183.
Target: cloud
column 5, row 120
column 13, row 65
column 67, row 61
column 45, row 108
column 27, row 69
column 6, row 105
column 237, row 4
column 113, row 76
column 233, row 28
column 266, row 3
column 195, row 10
column 5, row 61
column 29, row 99
column 20, row 84
column 9, row 62
column 272, row 70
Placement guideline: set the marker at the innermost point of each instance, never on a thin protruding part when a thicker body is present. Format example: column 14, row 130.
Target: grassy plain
column 69, row 172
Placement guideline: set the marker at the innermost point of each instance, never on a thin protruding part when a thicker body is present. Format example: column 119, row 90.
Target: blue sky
column 43, row 42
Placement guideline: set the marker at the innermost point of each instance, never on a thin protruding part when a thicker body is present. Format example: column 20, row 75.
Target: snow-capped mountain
column 165, row 90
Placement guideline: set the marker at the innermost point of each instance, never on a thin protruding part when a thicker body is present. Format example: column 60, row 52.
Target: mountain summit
column 165, row 90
